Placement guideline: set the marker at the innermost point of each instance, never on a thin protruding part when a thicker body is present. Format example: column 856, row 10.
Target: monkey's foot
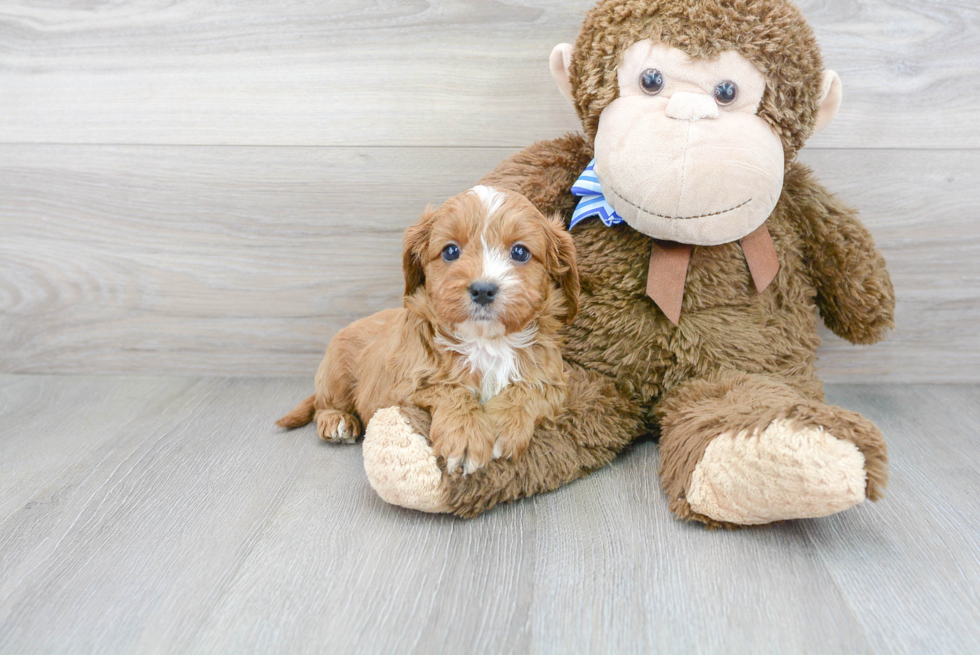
column 784, row 471
column 401, row 465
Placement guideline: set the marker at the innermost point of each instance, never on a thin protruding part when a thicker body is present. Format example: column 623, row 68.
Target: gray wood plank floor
column 169, row 515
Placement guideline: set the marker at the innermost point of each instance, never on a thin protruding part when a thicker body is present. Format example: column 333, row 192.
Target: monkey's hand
column 854, row 291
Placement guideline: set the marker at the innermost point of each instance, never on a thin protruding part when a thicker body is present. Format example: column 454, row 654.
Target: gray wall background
column 204, row 187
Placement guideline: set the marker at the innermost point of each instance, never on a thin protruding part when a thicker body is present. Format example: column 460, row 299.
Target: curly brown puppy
column 489, row 282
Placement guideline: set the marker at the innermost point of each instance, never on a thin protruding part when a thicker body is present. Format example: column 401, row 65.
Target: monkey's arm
column 854, row 291
column 544, row 173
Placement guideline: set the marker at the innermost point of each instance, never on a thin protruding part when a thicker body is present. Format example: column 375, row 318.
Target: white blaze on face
column 491, row 198
column 497, row 264
column 498, row 267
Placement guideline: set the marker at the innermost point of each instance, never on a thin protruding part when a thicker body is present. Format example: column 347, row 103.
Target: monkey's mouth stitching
column 679, row 218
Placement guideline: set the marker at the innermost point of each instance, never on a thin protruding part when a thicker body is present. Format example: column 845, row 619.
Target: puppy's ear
column 414, row 251
column 562, row 264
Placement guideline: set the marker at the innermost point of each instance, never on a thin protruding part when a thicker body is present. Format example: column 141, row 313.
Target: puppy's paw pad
column 336, row 426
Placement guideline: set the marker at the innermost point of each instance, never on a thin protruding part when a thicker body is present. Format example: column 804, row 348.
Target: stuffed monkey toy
column 705, row 252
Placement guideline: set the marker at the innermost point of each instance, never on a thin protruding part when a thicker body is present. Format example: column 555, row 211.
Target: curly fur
column 828, row 262
column 738, row 360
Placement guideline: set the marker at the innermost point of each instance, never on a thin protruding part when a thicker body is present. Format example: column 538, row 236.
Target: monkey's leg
column 597, row 424
column 749, row 449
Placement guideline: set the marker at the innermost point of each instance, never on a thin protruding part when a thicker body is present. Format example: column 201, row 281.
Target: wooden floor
column 169, row 515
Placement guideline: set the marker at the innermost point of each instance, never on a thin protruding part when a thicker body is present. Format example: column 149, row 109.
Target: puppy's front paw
column 336, row 426
column 509, row 447
column 514, row 431
column 464, row 440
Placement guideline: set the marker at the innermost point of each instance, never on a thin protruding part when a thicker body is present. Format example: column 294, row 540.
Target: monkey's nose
column 684, row 106
column 483, row 293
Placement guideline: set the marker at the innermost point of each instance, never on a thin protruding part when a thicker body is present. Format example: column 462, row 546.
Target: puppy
column 489, row 282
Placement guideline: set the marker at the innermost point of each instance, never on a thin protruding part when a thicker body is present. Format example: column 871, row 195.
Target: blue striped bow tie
column 593, row 202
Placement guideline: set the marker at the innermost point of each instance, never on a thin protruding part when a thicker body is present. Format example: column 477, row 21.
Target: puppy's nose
column 483, row 293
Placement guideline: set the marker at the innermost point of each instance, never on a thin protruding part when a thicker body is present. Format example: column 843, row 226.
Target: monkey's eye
column 651, row 81
column 520, row 254
column 726, row 92
column 451, row 252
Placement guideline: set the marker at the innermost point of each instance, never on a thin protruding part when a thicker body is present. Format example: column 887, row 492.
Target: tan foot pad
column 400, row 464
column 784, row 472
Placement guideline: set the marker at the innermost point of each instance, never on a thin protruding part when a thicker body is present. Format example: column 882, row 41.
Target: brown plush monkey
column 704, row 258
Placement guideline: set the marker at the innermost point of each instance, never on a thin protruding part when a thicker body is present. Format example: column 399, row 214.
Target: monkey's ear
column 831, row 94
column 413, row 252
column 561, row 59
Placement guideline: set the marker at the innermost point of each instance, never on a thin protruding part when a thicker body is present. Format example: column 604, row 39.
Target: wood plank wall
column 203, row 187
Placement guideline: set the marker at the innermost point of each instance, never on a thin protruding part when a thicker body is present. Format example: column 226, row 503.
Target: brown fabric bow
column 669, row 261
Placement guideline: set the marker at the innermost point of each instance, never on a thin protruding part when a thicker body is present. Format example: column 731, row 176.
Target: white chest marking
column 494, row 359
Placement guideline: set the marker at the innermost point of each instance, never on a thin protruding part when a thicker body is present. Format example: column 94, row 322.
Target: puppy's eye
column 651, row 81
column 451, row 252
column 520, row 254
column 726, row 92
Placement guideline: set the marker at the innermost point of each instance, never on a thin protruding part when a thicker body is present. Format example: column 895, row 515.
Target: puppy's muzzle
column 483, row 293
